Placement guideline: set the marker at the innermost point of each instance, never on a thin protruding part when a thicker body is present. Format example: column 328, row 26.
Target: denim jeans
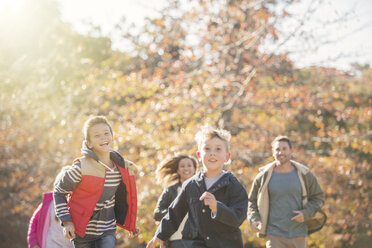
column 107, row 241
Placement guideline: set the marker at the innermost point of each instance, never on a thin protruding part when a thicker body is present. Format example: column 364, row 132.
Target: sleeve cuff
column 213, row 215
column 65, row 218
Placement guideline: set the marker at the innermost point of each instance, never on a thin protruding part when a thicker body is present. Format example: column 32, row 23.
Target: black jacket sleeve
column 164, row 201
column 235, row 213
column 171, row 221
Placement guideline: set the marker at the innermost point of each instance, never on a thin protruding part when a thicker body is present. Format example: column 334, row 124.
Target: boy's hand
column 154, row 241
column 256, row 226
column 210, row 201
column 69, row 230
column 135, row 233
column 299, row 216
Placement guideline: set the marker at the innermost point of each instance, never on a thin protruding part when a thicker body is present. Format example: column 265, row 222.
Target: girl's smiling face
column 186, row 169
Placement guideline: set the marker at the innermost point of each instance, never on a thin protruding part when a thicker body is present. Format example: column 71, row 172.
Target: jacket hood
column 87, row 152
column 114, row 156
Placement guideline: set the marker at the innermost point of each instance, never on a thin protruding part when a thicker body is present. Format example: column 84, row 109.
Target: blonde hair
column 94, row 120
column 206, row 132
column 166, row 172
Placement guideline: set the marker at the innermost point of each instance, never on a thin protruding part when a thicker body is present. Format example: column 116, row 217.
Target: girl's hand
column 256, row 226
column 210, row 201
column 154, row 241
column 35, row 246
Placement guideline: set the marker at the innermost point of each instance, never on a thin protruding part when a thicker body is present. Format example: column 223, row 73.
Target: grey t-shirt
column 209, row 181
column 285, row 197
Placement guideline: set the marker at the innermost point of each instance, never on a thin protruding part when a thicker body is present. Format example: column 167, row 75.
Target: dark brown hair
column 167, row 170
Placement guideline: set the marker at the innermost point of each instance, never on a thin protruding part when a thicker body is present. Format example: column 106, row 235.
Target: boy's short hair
column 207, row 132
column 94, row 120
column 282, row 138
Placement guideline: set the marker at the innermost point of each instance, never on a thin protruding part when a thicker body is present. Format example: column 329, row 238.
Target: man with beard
column 276, row 208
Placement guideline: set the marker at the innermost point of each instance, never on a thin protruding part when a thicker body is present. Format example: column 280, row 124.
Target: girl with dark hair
column 172, row 173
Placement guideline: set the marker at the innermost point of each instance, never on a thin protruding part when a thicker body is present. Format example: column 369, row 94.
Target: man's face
column 282, row 153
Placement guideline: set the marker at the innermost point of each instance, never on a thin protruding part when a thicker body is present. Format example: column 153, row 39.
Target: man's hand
column 68, row 230
column 299, row 216
column 154, row 241
column 256, row 226
column 210, row 201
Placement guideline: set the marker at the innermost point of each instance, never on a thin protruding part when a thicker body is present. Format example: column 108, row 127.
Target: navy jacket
column 166, row 198
column 220, row 231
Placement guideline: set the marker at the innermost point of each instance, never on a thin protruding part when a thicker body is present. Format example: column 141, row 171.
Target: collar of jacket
column 222, row 182
column 270, row 166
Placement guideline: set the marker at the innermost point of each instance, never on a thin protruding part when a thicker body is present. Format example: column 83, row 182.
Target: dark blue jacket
column 166, row 198
column 222, row 231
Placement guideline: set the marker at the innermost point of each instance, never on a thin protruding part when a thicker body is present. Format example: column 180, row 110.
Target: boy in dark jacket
column 97, row 192
column 214, row 199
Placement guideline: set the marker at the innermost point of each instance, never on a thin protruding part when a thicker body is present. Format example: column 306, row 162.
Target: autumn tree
column 198, row 62
column 211, row 52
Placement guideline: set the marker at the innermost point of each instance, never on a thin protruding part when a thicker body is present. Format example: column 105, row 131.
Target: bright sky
column 348, row 42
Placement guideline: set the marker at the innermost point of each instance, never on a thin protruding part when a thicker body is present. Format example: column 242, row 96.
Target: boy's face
column 213, row 154
column 100, row 138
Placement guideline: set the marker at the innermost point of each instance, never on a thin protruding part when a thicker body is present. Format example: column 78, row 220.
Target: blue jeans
column 107, row 241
